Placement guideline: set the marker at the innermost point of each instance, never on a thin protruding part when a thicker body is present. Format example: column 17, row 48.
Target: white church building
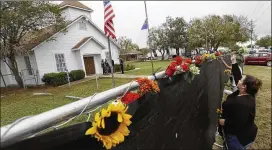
column 81, row 47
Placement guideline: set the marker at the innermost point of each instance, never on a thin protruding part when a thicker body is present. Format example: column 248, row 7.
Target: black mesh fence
column 182, row 116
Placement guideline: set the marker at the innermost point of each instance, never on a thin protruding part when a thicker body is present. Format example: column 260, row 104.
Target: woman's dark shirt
column 239, row 112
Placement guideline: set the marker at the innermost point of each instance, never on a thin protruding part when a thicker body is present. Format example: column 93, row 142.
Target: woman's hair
column 252, row 85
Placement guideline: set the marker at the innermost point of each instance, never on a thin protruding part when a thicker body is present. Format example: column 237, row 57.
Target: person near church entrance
column 103, row 66
column 121, row 65
column 107, row 67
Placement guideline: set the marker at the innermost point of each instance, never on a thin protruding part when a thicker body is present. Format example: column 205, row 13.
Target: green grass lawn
column 146, row 67
column 263, row 104
column 19, row 103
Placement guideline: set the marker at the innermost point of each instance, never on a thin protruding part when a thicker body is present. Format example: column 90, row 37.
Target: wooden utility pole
column 251, row 33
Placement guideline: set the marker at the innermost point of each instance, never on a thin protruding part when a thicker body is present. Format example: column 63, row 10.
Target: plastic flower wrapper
column 179, row 70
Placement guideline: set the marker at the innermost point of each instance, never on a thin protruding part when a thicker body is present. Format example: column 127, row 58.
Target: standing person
column 103, row 66
column 235, row 70
column 238, row 116
column 240, row 61
column 107, row 68
column 121, row 65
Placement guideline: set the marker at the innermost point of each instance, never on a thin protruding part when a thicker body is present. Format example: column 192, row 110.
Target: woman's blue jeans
column 234, row 144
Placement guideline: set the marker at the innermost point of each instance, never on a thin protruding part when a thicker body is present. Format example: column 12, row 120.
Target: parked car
column 251, row 51
column 259, row 59
column 187, row 54
column 264, row 50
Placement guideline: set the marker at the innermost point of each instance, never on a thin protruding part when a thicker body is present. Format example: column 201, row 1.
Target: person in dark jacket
column 239, row 111
column 103, row 66
column 107, row 67
column 121, row 65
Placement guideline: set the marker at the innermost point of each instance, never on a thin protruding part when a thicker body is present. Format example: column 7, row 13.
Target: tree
column 265, row 41
column 214, row 30
column 176, row 32
column 196, row 36
column 158, row 40
column 144, row 51
column 126, row 45
column 19, row 21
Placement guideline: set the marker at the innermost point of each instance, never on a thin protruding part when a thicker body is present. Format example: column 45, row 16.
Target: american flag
column 108, row 23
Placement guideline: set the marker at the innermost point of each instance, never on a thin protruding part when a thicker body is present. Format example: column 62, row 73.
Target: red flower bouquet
column 185, row 67
column 197, row 61
column 129, row 97
column 189, row 61
column 171, row 69
column 178, row 60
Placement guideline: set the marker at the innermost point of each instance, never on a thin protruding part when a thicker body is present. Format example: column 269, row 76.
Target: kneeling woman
column 239, row 113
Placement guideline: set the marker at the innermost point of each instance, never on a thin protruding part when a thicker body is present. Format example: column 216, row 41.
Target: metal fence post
column 68, row 78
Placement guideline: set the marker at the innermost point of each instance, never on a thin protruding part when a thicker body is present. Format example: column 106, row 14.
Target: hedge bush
column 57, row 79
column 127, row 67
column 117, row 68
column 76, row 75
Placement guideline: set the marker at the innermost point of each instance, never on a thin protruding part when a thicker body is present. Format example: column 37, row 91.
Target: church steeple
column 73, row 9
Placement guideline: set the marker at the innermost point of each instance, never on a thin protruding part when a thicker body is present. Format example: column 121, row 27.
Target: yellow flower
column 227, row 71
column 116, row 111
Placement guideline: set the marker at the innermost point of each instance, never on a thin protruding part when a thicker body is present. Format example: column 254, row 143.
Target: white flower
column 194, row 70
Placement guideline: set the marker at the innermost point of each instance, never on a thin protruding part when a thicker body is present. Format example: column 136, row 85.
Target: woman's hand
column 222, row 122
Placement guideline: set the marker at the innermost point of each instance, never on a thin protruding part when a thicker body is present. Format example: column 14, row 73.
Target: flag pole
column 111, row 64
column 148, row 37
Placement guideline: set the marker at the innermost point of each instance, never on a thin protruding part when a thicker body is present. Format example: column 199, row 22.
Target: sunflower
column 111, row 125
